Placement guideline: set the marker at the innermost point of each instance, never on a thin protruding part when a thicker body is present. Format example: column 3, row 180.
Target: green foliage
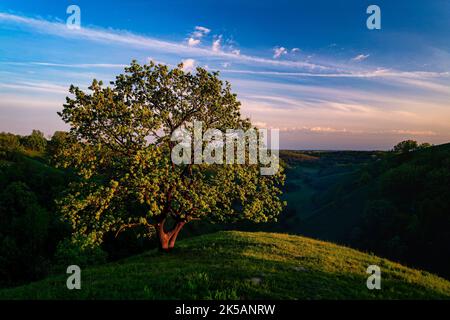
column 408, row 217
column 394, row 204
column 35, row 141
column 225, row 265
column 121, row 149
column 23, row 231
column 9, row 143
column 29, row 228
column 57, row 142
column 69, row 253
column 425, row 145
column 319, row 193
column 39, row 185
column 410, row 145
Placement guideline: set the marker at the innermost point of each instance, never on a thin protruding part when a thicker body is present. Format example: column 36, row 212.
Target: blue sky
column 310, row 68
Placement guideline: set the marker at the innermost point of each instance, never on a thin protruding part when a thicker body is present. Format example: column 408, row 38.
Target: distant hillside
column 312, row 186
column 241, row 265
column 30, row 228
column 397, row 206
column 291, row 156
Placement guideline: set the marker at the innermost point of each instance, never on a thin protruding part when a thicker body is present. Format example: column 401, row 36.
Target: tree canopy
column 35, row 141
column 120, row 146
column 410, row 145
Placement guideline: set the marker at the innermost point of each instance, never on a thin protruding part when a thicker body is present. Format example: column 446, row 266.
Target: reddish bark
column 167, row 238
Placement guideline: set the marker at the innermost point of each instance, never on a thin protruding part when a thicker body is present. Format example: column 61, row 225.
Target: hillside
column 240, row 265
column 312, row 185
column 413, row 173
column 396, row 205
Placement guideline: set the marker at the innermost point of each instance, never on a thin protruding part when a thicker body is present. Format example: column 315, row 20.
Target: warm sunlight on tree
column 120, row 147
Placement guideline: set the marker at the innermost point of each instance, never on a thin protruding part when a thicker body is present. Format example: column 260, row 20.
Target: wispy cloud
column 305, row 94
column 278, row 52
column 334, row 130
column 33, row 86
column 192, row 42
column 426, row 133
column 202, row 30
column 321, row 97
column 426, row 85
column 66, row 65
column 116, row 37
column 216, row 46
column 361, row 57
column 289, row 105
column 413, row 78
column 197, row 35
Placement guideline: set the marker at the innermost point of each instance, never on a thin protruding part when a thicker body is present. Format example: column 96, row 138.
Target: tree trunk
column 167, row 239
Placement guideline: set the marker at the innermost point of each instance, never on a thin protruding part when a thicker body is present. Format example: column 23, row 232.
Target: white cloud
column 327, row 130
column 36, row 86
column 193, row 42
column 236, row 52
column 126, row 38
column 422, row 80
column 319, row 107
column 115, row 37
column 361, row 57
column 278, row 52
column 425, row 85
column 413, row 132
column 195, row 37
column 217, row 44
column 188, row 65
column 202, row 30
column 396, row 100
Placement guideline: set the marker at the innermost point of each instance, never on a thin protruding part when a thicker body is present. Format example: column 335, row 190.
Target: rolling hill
column 242, row 265
column 396, row 205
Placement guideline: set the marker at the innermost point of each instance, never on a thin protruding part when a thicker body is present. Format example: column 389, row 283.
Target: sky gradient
column 311, row 69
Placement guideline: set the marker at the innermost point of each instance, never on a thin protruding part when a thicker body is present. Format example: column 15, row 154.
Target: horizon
column 313, row 70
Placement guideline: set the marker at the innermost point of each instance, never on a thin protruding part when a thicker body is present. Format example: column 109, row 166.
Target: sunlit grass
column 241, row 265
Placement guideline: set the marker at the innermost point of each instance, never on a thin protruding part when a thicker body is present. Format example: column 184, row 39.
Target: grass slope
column 242, row 265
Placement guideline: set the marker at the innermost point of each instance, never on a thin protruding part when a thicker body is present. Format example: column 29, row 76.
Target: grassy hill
column 241, row 265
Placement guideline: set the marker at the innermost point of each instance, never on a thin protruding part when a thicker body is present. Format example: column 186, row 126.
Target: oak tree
column 120, row 146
